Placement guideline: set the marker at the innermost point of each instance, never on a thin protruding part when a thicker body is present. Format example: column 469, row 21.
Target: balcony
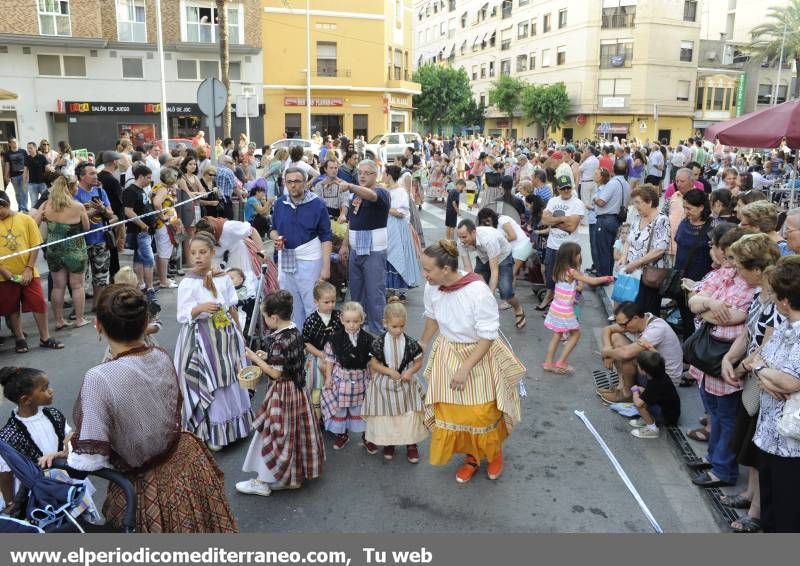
column 406, row 85
column 329, row 72
column 613, row 102
column 618, row 20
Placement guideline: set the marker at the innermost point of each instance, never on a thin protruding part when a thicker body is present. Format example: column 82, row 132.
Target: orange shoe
column 495, row 467
column 467, row 469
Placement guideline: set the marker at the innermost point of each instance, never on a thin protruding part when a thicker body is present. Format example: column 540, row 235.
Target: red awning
column 762, row 129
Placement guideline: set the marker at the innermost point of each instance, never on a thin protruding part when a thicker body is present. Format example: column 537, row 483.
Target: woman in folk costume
column 210, row 352
column 393, row 408
column 239, row 245
column 402, row 263
column 472, row 402
column 318, row 327
column 287, row 447
column 417, row 233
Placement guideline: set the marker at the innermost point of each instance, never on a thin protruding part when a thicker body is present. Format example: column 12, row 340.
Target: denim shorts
column 142, row 246
column 505, row 280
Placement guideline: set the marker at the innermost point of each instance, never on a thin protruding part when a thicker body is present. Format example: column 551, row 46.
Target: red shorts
column 13, row 294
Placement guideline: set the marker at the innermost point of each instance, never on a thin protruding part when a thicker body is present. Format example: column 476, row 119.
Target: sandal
column 698, row 434
column 51, row 344
column 21, row 346
column 747, row 524
column 541, row 307
column 63, row 326
column 563, row 368
column 86, row 322
column 548, row 367
column 521, row 320
column 735, row 501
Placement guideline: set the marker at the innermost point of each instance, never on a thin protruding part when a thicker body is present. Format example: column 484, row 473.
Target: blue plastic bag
column 626, row 286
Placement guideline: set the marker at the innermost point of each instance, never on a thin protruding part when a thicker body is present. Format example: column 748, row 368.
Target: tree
column 767, row 37
column 224, row 60
column 470, row 114
column 547, row 106
column 445, row 93
column 506, row 95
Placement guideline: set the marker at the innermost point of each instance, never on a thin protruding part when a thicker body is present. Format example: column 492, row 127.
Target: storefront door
column 8, row 130
column 327, row 124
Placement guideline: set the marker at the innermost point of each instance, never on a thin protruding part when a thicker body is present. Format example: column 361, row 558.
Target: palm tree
column 224, row 59
column 767, row 37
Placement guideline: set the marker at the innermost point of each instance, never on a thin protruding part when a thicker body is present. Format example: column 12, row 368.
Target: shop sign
column 613, row 102
column 295, row 101
column 399, row 100
column 129, row 108
column 580, row 119
column 740, row 94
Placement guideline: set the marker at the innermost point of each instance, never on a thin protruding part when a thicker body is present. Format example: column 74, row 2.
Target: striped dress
column 561, row 316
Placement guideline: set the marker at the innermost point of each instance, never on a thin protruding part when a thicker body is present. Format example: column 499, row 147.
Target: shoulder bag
column 671, row 285
column 789, row 422
column 652, row 276
column 704, row 351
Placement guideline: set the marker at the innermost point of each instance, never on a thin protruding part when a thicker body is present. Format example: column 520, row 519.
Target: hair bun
column 6, row 373
column 392, row 300
column 450, row 247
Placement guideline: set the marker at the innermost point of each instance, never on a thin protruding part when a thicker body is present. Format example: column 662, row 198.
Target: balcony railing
column 328, row 72
column 612, row 21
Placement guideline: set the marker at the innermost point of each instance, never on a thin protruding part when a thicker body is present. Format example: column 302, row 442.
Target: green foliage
column 768, row 36
column 445, row 97
column 547, row 106
column 470, row 114
column 506, row 94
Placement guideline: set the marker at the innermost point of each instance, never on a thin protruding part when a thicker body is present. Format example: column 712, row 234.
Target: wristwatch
column 758, row 369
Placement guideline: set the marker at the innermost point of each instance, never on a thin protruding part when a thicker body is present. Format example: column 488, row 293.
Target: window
column 452, row 5
column 507, row 7
column 463, row 20
column 61, row 65
column 132, row 68
column 561, row 55
column 532, row 60
column 464, row 47
column 483, row 71
column 491, row 69
column 54, row 17
column 545, row 23
column 326, row 59
column 360, row 125
column 291, row 125
column 614, row 87
column 188, row 70
column 505, row 39
column 398, row 64
column 505, row 67
column 546, row 58
column 523, row 3
column 522, row 30
column 617, row 16
column 474, row 72
column 690, row 11
column 202, row 20
column 684, row 87
column 451, row 28
column 562, row 18
column 764, row 94
column 719, row 95
column 493, row 39
column 209, row 69
column 235, row 70
column 443, row 28
column 699, row 102
column 483, row 100
column 533, row 27
column 616, row 53
column 782, row 90
column 522, row 63
column 398, row 14
column 687, row 51
column 131, row 23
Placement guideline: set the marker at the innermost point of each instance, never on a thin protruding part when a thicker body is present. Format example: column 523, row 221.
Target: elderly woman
column 777, row 369
column 751, row 255
column 722, row 300
column 762, row 216
column 647, row 242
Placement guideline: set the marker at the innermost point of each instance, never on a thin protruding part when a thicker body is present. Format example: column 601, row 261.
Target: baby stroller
column 45, row 505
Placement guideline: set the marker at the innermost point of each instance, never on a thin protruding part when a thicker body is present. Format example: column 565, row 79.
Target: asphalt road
column 556, row 478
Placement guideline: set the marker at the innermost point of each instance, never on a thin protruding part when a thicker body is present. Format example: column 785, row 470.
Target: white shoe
column 637, row 423
column 645, row 433
column 214, row 447
column 253, row 487
column 170, row 285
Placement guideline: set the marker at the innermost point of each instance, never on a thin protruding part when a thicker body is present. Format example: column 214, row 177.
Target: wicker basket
column 249, row 376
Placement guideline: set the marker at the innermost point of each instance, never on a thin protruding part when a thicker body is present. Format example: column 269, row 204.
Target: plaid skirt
column 184, row 494
column 349, row 389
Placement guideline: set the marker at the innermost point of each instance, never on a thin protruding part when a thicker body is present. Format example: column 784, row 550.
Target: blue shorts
column 505, row 280
column 142, row 246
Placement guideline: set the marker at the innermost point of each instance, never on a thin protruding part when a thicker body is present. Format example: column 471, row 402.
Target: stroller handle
column 113, row 476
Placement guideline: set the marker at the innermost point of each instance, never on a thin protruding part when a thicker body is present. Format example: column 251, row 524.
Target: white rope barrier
column 100, row 229
column 621, row 472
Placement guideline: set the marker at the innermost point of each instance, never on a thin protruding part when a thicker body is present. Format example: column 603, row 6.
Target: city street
column 556, row 479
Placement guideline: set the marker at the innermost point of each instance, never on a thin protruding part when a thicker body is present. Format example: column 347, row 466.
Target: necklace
column 9, row 240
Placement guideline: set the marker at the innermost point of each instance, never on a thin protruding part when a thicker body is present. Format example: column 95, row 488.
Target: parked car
column 396, row 144
column 310, row 149
column 173, row 142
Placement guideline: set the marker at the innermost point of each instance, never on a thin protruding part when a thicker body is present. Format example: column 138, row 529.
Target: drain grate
column 604, row 378
column 682, row 444
column 725, row 514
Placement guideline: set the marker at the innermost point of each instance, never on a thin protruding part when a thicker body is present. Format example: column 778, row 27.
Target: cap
column 557, row 155
column 563, row 181
column 109, row 156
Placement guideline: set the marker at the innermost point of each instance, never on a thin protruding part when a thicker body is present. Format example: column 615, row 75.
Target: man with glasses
column 301, row 229
column 791, row 229
column 633, row 332
column 368, row 215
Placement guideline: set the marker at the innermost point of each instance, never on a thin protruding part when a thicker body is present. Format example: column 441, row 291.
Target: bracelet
column 28, row 267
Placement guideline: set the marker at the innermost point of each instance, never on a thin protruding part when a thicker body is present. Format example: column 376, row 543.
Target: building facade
column 629, row 66
column 360, row 62
column 85, row 71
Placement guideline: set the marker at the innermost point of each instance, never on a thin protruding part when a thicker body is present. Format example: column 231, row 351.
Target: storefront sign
column 580, row 119
column 129, row 108
column 294, row 101
column 613, row 102
column 400, row 101
column 740, row 94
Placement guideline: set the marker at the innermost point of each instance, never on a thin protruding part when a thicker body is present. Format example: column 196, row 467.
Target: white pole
column 780, row 68
column 160, row 45
column 247, row 115
column 308, row 69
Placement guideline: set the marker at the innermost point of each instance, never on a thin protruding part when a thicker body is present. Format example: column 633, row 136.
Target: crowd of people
column 709, row 262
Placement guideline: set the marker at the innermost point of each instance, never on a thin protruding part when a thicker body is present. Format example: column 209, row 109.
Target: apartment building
column 87, row 70
column 629, row 66
column 360, row 67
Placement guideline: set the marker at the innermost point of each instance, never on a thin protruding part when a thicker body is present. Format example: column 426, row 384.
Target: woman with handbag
column 778, row 430
column 752, row 254
column 721, row 304
column 648, row 240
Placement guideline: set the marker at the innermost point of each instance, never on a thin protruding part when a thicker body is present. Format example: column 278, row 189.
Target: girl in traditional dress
column 393, row 407
column 287, row 447
column 561, row 316
column 347, row 356
column 317, row 329
column 210, row 352
column 472, row 400
column 402, row 264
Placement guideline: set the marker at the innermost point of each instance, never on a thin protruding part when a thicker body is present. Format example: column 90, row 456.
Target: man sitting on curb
column 633, row 332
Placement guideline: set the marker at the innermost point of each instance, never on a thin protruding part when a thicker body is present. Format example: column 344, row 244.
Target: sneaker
column 637, row 423
column 646, row 432
column 371, row 448
column 495, row 467
column 170, row 284
column 467, row 469
column 253, row 487
column 341, row 441
column 388, row 452
column 151, row 294
column 214, row 447
column 412, row 453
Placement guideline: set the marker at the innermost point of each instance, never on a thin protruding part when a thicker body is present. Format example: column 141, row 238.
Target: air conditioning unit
column 711, row 56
